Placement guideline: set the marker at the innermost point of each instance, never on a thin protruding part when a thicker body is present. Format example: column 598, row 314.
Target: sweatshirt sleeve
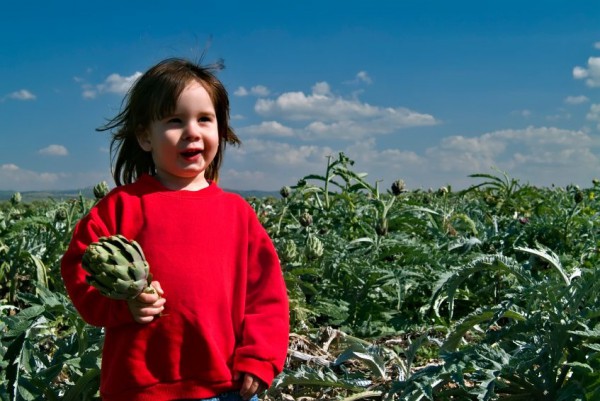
column 264, row 344
column 94, row 308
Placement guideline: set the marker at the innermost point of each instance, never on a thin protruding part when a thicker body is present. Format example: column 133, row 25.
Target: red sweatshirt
column 227, row 306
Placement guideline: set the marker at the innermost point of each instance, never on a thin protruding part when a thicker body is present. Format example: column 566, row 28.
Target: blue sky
column 425, row 91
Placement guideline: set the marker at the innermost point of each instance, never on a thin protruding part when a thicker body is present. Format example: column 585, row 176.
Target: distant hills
column 29, row 196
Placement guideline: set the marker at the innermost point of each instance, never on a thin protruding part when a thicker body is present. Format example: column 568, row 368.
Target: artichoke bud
column 100, row 190
column 289, row 251
column 314, row 248
column 285, row 192
column 306, row 219
column 398, row 187
column 60, row 214
column 15, row 199
column 117, row 267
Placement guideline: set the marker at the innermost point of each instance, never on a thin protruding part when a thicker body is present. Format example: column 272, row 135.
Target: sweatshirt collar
column 151, row 183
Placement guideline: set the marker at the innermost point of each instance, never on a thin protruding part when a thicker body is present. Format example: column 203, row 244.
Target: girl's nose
column 192, row 132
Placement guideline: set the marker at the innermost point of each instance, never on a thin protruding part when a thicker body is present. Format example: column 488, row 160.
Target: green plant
column 537, row 343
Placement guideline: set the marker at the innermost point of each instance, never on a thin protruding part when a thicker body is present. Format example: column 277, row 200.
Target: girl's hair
column 154, row 96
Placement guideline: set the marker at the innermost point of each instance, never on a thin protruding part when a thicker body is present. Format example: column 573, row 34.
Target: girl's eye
column 205, row 119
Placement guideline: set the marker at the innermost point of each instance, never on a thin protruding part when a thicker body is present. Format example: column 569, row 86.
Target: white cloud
column 114, row 83
column 523, row 113
column 318, row 105
column 321, row 89
column 240, row 179
column 362, row 76
column 14, row 178
column 594, row 115
column 280, row 164
column 597, row 45
column 272, row 128
column 258, row 90
column 536, row 155
column 580, row 73
column 54, row 150
column 541, row 155
column 576, row 99
column 276, row 153
column 332, row 116
column 241, row 91
column 89, row 94
column 118, row 84
column 22, row 94
column 275, row 163
column 562, row 115
column 9, row 167
column 465, row 155
column 591, row 74
column 386, row 164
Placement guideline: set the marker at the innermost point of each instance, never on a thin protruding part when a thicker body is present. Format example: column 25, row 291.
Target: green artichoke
column 398, row 187
column 100, row 190
column 289, row 251
column 314, row 248
column 16, row 198
column 117, row 267
column 306, row 219
column 285, row 192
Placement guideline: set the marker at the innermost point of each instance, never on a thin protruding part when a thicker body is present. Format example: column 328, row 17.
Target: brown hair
column 153, row 96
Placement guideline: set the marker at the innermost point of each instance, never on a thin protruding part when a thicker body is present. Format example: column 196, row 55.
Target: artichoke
column 289, row 251
column 100, row 190
column 398, row 187
column 117, row 267
column 314, row 248
column 16, row 198
column 306, row 219
column 285, row 192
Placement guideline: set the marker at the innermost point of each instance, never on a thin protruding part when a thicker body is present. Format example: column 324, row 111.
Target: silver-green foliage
column 490, row 292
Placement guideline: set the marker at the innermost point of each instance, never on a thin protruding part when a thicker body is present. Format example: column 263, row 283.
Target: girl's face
column 184, row 143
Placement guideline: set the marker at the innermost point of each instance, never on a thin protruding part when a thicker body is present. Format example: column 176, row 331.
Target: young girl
column 218, row 325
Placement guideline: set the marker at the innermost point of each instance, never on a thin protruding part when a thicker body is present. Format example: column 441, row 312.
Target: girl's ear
column 144, row 139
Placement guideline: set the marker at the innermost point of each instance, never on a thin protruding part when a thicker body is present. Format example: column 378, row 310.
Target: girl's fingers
column 143, row 319
column 250, row 386
column 144, row 312
column 158, row 288
column 150, row 299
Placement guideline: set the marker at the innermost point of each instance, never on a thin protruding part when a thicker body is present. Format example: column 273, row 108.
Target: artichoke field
column 487, row 293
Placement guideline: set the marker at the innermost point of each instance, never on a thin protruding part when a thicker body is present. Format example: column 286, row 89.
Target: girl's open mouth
column 188, row 154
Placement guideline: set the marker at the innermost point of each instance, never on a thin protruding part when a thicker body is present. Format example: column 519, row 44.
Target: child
column 218, row 325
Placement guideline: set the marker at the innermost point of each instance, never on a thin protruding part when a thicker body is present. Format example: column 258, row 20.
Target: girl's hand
column 145, row 307
column 251, row 385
